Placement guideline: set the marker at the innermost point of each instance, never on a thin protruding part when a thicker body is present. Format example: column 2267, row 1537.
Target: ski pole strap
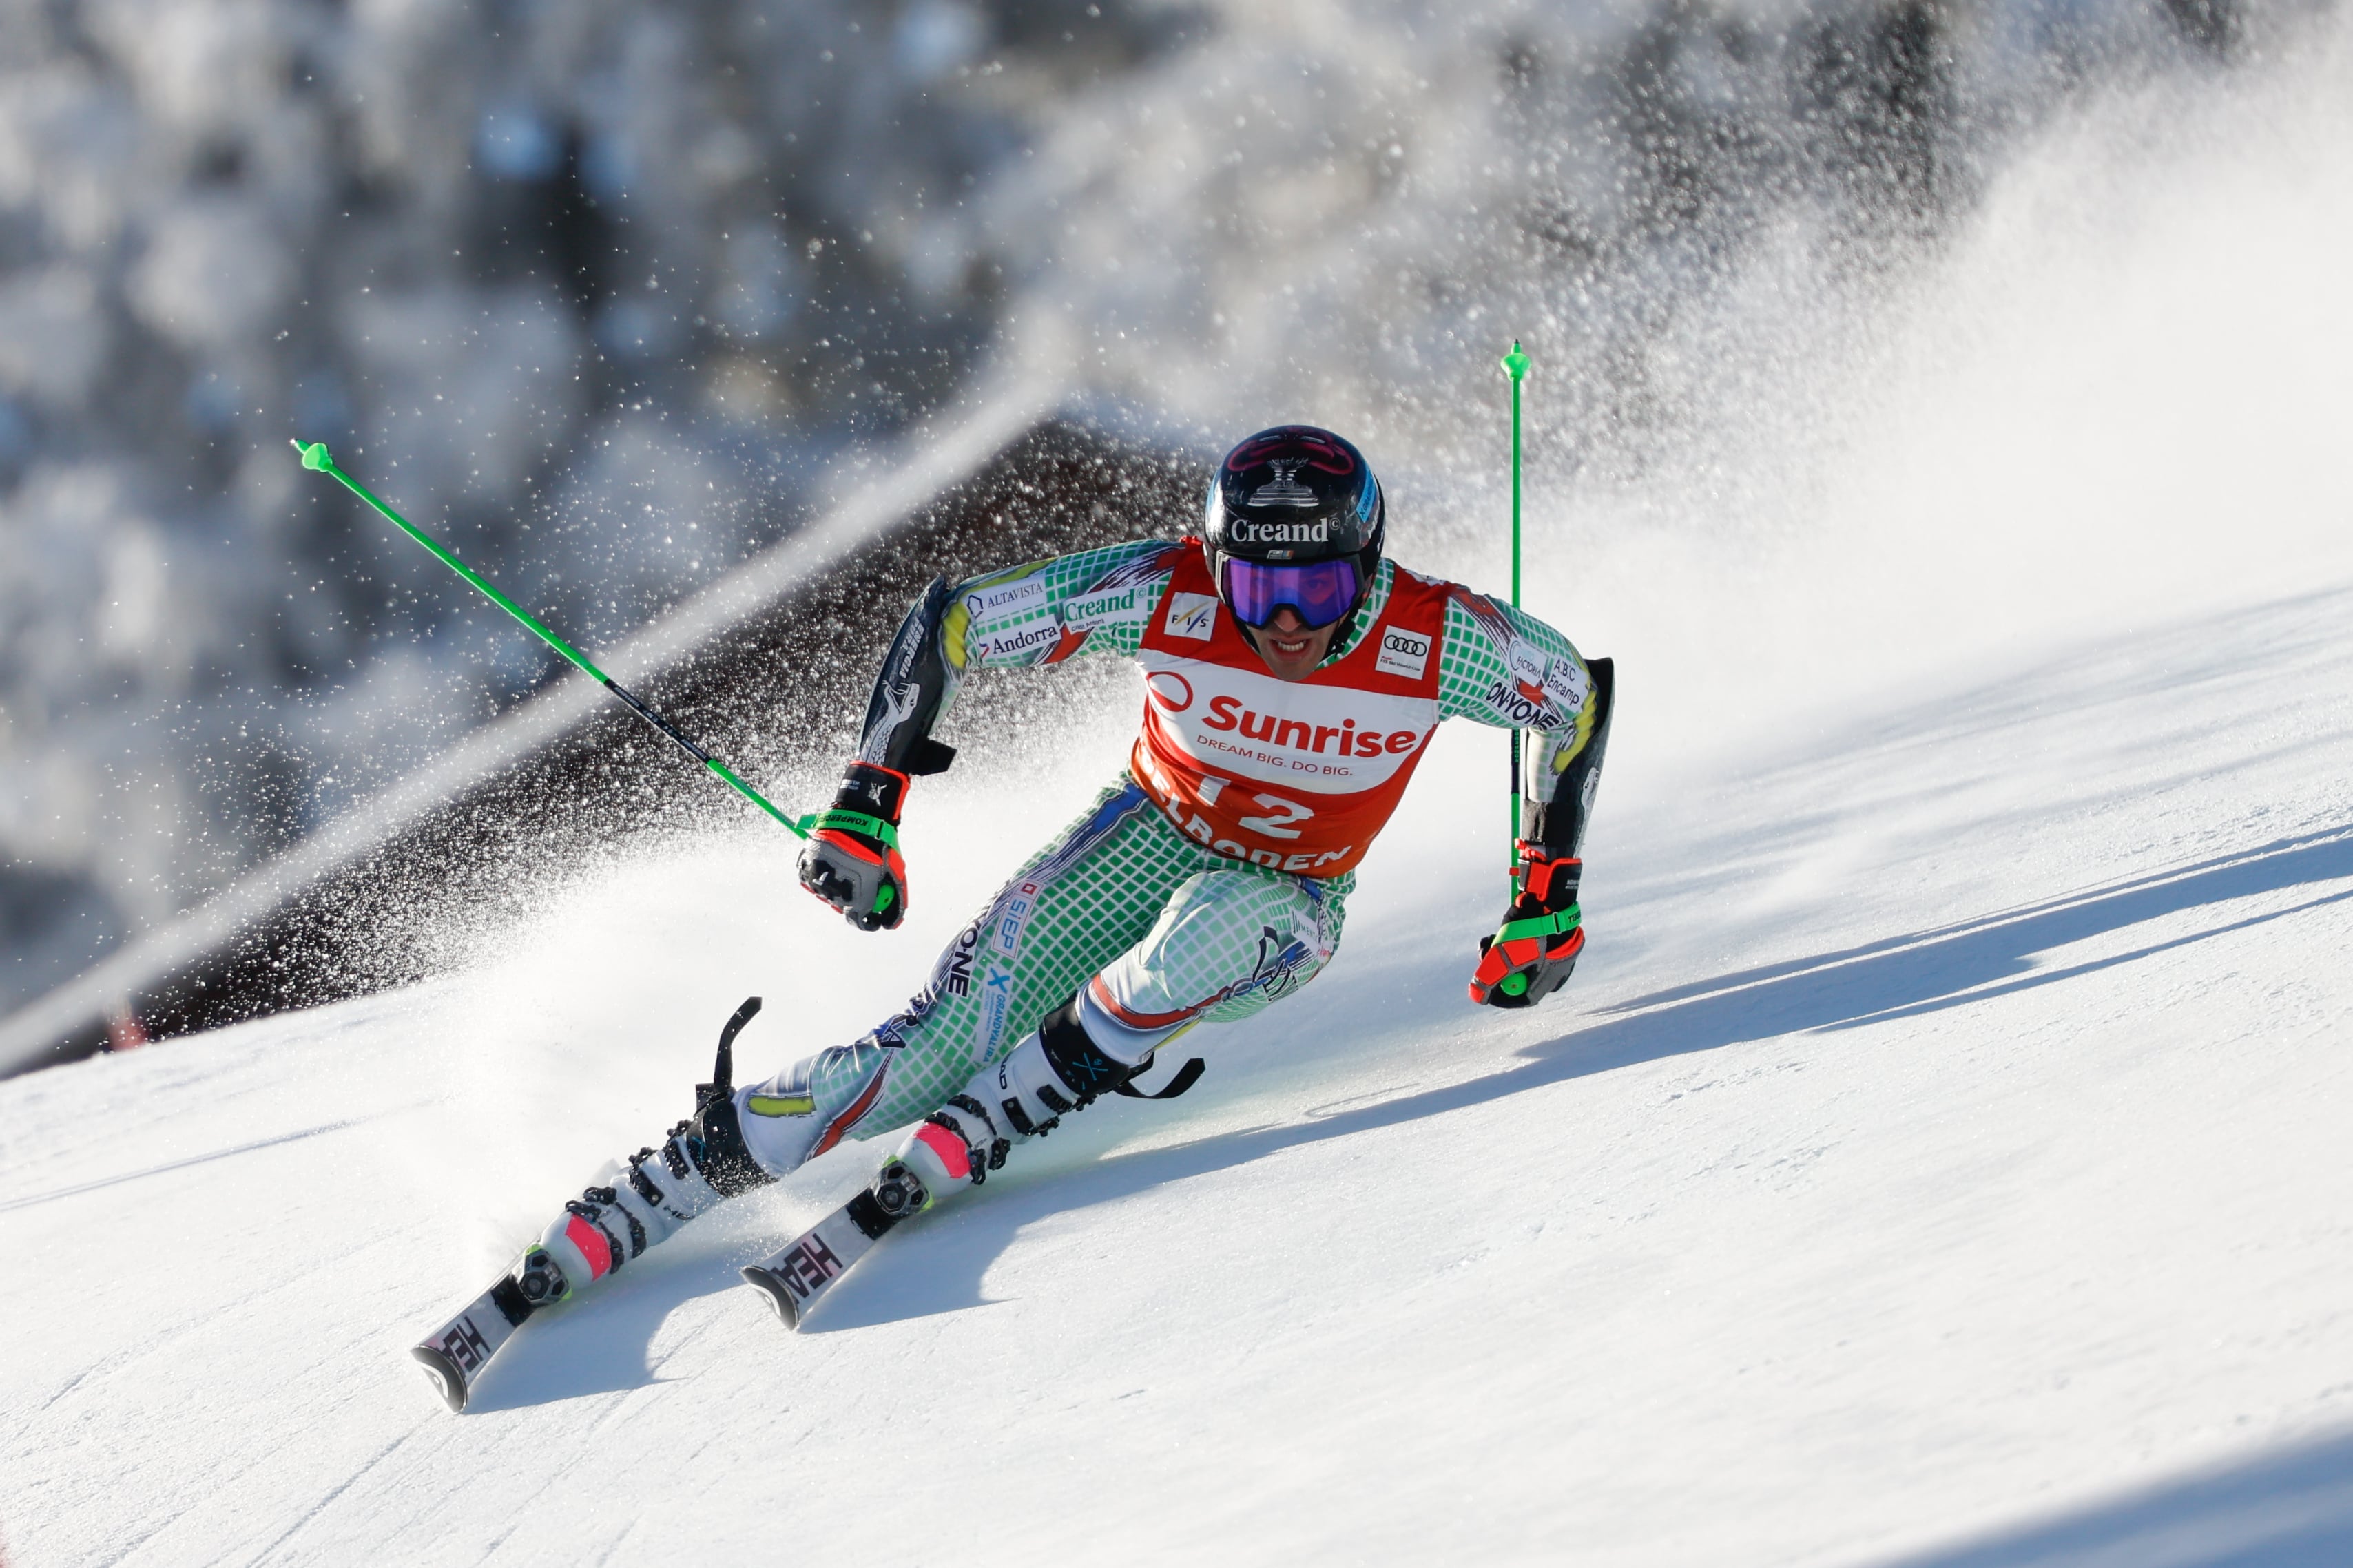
column 874, row 827
column 1187, row 1077
column 1559, row 925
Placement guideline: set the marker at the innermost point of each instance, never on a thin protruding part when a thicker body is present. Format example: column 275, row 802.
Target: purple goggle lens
column 1321, row 591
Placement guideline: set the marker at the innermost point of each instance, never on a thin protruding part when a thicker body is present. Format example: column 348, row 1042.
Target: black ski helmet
column 1296, row 493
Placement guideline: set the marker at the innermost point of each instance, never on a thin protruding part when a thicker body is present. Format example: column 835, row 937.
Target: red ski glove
column 851, row 860
column 1535, row 948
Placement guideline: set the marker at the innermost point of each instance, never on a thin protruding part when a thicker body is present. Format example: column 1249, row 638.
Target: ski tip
column 448, row 1382
column 779, row 1296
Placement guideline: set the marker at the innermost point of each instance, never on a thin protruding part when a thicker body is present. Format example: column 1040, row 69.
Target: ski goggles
column 1321, row 592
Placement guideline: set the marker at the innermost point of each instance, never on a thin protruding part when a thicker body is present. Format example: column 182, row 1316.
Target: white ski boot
column 1055, row 1072
column 702, row 1165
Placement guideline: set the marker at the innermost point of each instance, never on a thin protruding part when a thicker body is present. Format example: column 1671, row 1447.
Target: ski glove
column 1533, row 952
column 852, row 858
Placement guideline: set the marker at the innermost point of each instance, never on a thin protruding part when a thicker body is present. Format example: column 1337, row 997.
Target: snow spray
column 315, row 458
column 1515, row 365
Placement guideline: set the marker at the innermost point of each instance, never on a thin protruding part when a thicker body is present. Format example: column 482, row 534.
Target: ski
column 454, row 1355
column 796, row 1276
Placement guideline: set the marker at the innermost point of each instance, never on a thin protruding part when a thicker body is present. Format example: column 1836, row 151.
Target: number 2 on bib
column 1272, row 825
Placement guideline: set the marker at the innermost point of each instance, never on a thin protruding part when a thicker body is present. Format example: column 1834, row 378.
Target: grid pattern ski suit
column 1160, row 930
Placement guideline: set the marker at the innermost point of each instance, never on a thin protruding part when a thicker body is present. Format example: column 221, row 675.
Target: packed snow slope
column 1945, row 1138
column 1938, row 1160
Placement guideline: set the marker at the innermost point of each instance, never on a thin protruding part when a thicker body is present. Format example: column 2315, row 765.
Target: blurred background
column 623, row 299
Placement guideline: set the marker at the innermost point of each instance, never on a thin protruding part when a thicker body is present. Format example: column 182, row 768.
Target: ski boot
column 1056, row 1072
column 701, row 1164
column 1050, row 1075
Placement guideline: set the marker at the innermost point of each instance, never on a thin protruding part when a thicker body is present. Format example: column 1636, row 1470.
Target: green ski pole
column 315, row 458
column 1515, row 365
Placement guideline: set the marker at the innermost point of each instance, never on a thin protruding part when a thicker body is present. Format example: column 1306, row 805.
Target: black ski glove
column 1535, row 948
column 851, row 860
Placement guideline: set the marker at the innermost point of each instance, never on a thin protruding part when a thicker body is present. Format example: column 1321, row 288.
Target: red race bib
column 1296, row 775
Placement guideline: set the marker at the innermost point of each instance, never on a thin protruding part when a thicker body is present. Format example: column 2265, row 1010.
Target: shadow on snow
column 2289, row 1508
column 1902, row 977
column 1897, row 978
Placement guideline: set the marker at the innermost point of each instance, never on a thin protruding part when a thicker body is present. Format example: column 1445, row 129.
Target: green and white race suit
column 1151, row 907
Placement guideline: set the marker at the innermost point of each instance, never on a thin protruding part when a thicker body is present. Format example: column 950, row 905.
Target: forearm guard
column 911, row 692
column 1556, row 791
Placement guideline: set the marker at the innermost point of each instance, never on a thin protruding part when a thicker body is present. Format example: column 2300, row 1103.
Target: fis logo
column 1192, row 615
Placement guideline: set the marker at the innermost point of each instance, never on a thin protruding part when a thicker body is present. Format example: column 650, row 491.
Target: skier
column 1292, row 676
